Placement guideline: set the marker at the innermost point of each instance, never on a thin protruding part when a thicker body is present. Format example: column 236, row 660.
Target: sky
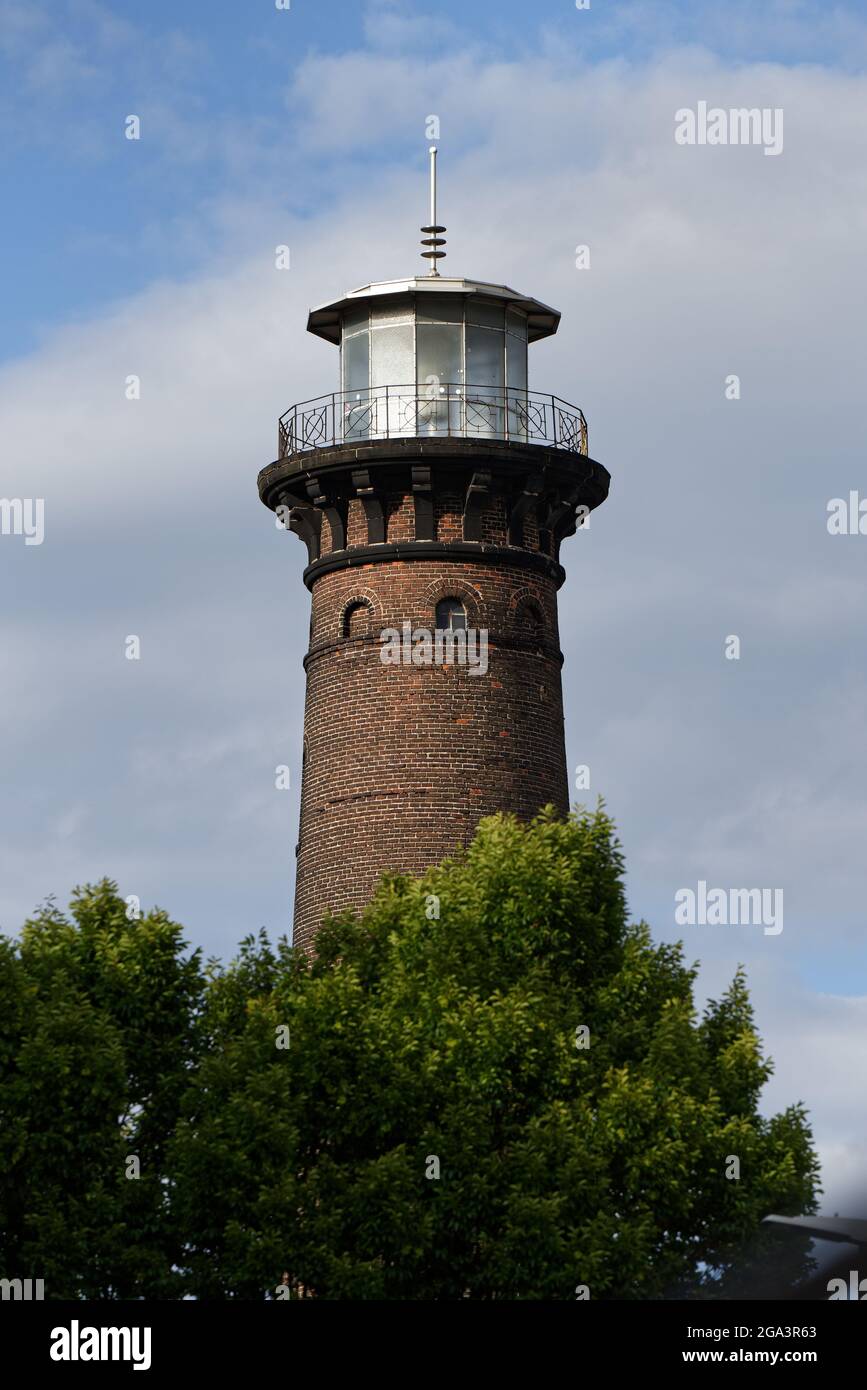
column 306, row 127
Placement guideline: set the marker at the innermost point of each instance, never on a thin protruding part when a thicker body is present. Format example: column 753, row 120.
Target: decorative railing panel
column 442, row 411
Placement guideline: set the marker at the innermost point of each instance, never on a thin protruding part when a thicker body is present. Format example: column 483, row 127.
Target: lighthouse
column 433, row 490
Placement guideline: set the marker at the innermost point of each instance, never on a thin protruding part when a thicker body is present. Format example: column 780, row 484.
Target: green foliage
column 454, row 1036
column 98, row 1040
column 413, row 1036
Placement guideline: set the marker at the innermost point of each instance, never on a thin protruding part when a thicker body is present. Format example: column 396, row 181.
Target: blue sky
column 156, row 257
column 89, row 215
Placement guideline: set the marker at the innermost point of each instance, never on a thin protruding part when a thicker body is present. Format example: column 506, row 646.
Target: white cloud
column 394, row 24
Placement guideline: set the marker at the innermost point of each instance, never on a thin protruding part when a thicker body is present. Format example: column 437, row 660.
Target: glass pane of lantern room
column 356, row 383
column 487, row 312
column 391, row 367
column 485, row 358
column 355, row 316
column 485, row 372
column 439, row 308
column 397, row 308
column 440, row 377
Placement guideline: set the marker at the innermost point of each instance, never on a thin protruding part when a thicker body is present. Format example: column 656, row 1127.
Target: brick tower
column 432, row 492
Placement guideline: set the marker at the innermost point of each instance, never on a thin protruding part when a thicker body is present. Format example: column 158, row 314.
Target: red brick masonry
column 401, row 761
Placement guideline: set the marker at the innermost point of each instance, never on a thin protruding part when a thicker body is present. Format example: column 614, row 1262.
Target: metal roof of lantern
column 324, row 321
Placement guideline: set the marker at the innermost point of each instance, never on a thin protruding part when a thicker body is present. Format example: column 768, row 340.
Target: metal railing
column 432, row 412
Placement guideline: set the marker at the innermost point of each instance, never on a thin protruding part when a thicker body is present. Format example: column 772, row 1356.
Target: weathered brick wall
column 400, row 762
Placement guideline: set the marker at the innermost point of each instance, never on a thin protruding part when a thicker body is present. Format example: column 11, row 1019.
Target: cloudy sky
column 262, row 127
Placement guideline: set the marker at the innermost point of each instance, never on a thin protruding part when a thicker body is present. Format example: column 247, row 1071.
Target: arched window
column 531, row 616
column 356, row 619
column 451, row 615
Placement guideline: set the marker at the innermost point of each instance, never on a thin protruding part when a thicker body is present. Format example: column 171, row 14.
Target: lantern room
column 432, row 355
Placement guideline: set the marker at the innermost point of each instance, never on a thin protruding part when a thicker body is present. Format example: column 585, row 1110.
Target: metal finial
column 433, row 238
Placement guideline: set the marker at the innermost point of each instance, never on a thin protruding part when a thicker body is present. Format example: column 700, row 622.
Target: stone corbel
column 478, row 492
column 304, row 522
column 371, row 504
column 334, row 509
column 422, row 497
column 524, row 503
column 561, row 517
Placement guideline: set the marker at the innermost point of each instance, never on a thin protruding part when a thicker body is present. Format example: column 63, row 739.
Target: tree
column 437, row 1127
column 98, row 1038
column 488, row 1086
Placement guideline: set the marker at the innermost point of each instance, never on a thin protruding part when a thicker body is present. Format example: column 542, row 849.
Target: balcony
column 439, row 411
